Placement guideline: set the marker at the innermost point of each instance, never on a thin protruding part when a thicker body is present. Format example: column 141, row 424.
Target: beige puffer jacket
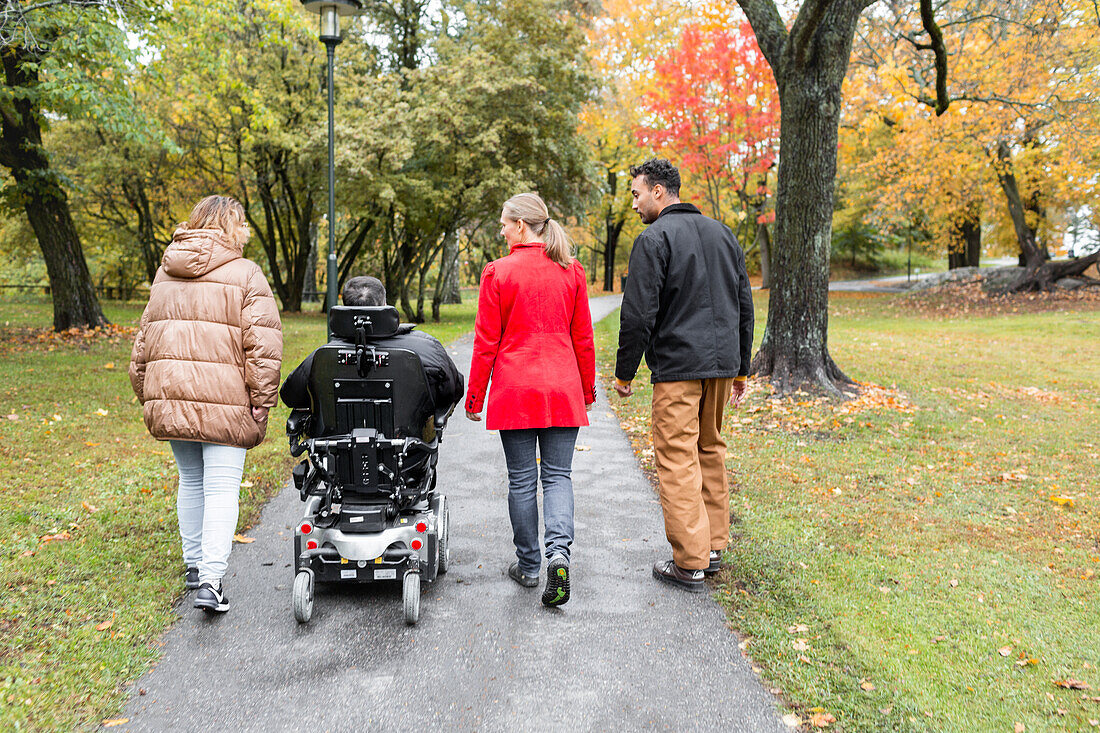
column 210, row 344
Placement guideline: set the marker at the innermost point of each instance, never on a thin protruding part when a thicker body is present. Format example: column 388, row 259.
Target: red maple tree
column 714, row 108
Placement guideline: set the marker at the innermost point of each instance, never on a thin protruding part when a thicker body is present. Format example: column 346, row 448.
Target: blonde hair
column 219, row 212
column 531, row 210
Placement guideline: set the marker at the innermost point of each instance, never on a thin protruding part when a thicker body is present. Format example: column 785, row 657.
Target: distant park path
column 625, row 654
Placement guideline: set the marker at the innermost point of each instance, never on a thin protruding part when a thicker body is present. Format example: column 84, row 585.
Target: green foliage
column 75, row 60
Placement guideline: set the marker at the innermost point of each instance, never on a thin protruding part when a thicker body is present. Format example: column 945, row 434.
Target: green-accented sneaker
column 557, row 582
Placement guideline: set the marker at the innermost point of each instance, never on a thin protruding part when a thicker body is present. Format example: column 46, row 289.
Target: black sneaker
column 191, row 580
column 715, row 563
column 211, row 599
column 557, row 582
column 527, row 581
column 669, row 572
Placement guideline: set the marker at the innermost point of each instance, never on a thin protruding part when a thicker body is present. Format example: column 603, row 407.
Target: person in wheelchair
column 444, row 380
column 369, row 410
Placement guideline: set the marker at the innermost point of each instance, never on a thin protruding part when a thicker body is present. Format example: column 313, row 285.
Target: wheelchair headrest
column 345, row 321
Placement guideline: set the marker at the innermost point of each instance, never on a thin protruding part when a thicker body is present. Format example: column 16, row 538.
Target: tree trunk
column 763, row 240
column 966, row 250
column 812, row 60
column 1039, row 273
column 309, row 281
column 47, row 206
column 137, row 198
column 613, row 227
column 448, row 291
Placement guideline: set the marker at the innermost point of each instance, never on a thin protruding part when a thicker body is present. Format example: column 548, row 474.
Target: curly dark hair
column 658, row 170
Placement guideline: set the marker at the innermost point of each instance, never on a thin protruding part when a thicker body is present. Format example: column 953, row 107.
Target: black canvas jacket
column 687, row 303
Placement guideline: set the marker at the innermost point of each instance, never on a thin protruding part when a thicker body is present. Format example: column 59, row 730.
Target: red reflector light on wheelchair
column 417, row 544
column 311, row 545
column 306, row 528
column 421, row 527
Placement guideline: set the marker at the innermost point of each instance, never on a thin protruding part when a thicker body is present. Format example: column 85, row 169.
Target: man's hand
column 475, row 416
column 738, row 393
column 625, row 389
column 259, row 413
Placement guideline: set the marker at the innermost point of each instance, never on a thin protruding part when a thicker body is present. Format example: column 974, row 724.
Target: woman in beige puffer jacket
column 205, row 366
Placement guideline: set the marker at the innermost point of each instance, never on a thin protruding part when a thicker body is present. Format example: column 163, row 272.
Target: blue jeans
column 555, row 447
column 207, row 504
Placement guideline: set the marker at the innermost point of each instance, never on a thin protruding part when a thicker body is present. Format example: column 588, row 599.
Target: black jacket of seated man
column 445, row 382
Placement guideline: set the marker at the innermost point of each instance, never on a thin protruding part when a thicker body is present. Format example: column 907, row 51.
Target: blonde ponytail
column 531, row 210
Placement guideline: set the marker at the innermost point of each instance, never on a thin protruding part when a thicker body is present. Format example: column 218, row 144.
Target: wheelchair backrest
column 363, row 384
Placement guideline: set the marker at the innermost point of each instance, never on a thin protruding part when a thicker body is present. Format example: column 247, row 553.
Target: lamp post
column 330, row 12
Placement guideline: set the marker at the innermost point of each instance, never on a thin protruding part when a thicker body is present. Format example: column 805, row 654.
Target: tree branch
column 928, row 20
column 805, row 25
column 771, row 32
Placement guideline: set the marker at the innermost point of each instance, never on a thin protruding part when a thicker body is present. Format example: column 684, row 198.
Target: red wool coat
column 533, row 334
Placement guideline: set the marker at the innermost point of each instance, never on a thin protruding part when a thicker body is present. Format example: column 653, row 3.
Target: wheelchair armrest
column 441, row 417
column 299, row 421
column 296, row 426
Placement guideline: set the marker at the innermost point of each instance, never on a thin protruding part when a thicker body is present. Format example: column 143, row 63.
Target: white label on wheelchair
column 344, row 574
column 385, row 574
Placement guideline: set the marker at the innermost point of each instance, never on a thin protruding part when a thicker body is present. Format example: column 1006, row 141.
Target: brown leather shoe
column 669, row 572
column 715, row 563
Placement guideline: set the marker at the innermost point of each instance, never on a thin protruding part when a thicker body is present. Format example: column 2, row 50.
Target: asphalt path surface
column 625, row 653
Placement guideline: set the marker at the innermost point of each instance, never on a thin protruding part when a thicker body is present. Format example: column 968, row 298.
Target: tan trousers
column 690, row 455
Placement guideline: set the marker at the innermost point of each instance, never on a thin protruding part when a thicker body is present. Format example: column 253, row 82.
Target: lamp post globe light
column 330, row 12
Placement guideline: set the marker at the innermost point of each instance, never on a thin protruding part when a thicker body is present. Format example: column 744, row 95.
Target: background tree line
column 118, row 117
column 842, row 130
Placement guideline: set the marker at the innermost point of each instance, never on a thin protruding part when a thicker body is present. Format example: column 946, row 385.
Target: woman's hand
column 475, row 416
column 259, row 413
column 588, row 407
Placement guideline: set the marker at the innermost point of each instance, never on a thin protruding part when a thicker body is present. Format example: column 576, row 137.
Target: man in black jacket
column 688, row 306
column 444, row 380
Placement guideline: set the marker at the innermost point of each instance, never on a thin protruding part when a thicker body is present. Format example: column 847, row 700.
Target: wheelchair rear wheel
column 303, row 597
column 410, row 593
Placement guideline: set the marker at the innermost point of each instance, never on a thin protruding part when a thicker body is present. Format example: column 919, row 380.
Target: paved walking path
column 624, row 654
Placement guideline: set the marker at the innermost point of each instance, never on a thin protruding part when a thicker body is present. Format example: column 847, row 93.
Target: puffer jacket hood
column 210, row 344
column 195, row 252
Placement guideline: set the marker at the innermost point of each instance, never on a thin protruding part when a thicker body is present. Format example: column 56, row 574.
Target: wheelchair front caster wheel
column 410, row 594
column 303, row 597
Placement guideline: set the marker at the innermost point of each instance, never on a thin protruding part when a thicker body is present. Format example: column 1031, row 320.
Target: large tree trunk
column 47, row 206
column 809, row 64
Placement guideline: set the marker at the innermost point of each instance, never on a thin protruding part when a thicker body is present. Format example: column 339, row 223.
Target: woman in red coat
column 533, row 335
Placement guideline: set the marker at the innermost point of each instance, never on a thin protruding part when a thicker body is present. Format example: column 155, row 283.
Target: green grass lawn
column 928, row 557
column 91, row 564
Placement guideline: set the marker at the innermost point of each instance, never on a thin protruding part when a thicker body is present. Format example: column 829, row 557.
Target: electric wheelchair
column 372, row 511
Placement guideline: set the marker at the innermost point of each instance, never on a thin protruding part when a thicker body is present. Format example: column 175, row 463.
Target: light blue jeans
column 555, row 446
column 208, row 504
